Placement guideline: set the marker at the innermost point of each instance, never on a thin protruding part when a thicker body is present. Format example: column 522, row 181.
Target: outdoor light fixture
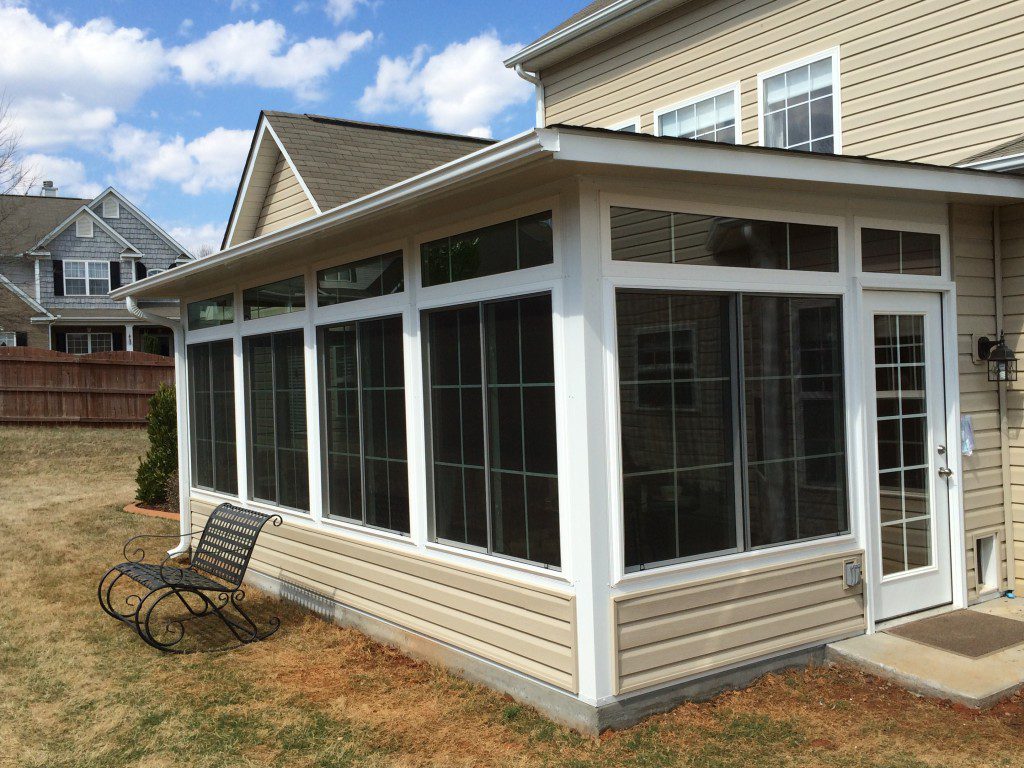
column 1002, row 363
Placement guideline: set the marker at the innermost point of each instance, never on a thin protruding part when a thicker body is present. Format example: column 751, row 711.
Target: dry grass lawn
column 78, row 689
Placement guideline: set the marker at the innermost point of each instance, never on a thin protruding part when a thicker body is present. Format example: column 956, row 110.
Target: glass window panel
column 775, row 92
column 505, row 247
column 363, row 279
column 705, row 115
column 277, row 298
column 798, row 115
column 821, row 118
column 75, row 269
column 798, row 86
column 212, row 411
column 209, row 313
column 821, row 77
column 799, row 125
column 901, row 253
column 685, row 238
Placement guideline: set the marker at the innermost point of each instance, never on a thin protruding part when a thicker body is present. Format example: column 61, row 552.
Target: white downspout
column 180, row 389
column 538, row 86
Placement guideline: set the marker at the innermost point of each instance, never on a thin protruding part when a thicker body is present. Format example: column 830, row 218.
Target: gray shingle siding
column 155, row 251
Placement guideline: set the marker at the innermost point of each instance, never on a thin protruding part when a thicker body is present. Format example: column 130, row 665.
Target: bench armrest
column 138, row 554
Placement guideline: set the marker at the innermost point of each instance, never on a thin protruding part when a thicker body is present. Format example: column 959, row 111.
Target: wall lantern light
column 1002, row 363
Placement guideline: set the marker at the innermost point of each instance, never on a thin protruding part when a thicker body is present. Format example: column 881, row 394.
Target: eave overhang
column 565, row 151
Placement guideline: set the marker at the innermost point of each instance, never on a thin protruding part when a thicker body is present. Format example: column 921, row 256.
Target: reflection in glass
column 900, row 253
column 364, row 279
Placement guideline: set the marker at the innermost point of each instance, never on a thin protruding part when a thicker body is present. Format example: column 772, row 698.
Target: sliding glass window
column 732, row 421
column 490, row 377
column 276, row 393
column 364, row 422
column 211, row 385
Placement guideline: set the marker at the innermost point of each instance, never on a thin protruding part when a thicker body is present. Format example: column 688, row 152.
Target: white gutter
column 538, row 89
column 1008, row 163
column 180, row 388
column 484, row 162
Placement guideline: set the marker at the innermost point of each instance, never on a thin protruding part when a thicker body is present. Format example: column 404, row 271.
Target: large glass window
column 86, row 278
column 276, row 391
column 732, row 422
column 798, row 108
column 492, row 419
column 505, row 247
column 664, row 237
column 271, row 299
column 211, row 383
column 209, row 313
column 364, row 422
column 363, row 279
column 900, row 253
column 710, row 119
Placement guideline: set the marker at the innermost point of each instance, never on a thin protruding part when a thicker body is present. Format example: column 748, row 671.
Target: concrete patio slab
column 976, row 683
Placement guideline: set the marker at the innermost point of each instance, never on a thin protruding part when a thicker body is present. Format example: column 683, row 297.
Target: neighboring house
column 61, row 257
column 606, row 418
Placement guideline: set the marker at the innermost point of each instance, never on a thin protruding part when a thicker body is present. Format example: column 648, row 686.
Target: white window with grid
column 710, row 117
column 800, row 105
column 8, row 339
column 83, row 343
column 86, row 278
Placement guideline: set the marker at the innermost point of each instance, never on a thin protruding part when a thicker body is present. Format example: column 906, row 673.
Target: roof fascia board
column 156, row 228
column 6, row 282
column 739, row 160
column 287, row 157
column 70, row 219
column 1007, row 163
column 485, row 161
column 243, row 183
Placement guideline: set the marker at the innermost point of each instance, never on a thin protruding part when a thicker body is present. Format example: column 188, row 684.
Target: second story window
column 711, row 117
column 86, row 278
column 799, row 106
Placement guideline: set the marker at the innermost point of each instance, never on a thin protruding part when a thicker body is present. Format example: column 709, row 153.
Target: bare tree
column 14, row 176
column 204, row 250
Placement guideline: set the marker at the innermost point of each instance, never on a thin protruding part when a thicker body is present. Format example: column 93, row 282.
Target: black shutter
column 118, row 340
column 115, row 275
column 60, row 341
column 140, row 270
column 20, row 339
column 58, row 277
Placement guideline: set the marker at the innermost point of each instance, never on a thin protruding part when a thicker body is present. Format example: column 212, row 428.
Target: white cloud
column 340, row 10
column 258, row 53
column 44, row 122
column 252, row 6
column 210, row 162
column 67, row 174
column 462, row 89
column 199, row 239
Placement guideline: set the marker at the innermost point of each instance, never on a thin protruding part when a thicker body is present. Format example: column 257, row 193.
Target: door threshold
column 881, row 626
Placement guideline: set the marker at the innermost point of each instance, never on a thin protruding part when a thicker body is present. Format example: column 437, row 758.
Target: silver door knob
column 945, row 472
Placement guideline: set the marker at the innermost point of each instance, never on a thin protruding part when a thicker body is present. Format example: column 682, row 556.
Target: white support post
column 184, row 464
column 314, row 457
column 129, row 337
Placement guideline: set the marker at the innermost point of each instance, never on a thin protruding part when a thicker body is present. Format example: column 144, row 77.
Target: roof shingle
column 25, row 220
column 1009, row 149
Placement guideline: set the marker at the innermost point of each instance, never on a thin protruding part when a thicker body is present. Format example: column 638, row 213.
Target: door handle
column 945, row 472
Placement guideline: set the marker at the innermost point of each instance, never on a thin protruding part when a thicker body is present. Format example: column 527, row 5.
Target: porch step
column 973, row 682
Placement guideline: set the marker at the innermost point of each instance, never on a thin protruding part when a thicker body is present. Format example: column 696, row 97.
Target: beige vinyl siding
column 523, row 627
column 286, row 202
column 1011, row 229
column 932, row 80
column 974, row 268
column 251, row 206
column 666, row 634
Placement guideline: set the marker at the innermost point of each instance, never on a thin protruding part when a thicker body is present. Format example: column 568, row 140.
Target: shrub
column 161, row 461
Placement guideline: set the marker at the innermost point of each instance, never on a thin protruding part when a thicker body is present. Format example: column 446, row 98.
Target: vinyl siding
column 974, row 268
column 286, row 201
column 667, row 634
column 932, row 80
column 1011, row 228
column 523, row 627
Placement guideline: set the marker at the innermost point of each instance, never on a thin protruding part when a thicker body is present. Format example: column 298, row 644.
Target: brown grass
column 77, row 689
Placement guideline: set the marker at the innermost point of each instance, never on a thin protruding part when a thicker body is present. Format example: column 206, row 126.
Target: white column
column 241, row 446
column 314, row 457
column 129, row 337
column 184, row 453
column 587, row 470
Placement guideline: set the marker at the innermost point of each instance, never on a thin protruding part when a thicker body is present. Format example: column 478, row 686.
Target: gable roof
column 153, row 226
column 5, row 283
column 87, row 211
column 339, row 160
column 27, row 219
column 1010, row 154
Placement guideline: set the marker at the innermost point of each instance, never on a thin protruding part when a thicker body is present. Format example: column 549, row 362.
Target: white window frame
column 80, row 229
column 633, row 122
column 90, row 337
column 837, row 101
column 737, row 111
column 111, row 208
column 87, row 278
column 151, row 271
column 10, row 337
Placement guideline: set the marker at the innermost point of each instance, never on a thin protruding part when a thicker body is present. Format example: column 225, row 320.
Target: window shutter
column 140, row 270
column 20, row 339
column 60, row 341
column 117, row 340
column 58, row 277
column 115, row 275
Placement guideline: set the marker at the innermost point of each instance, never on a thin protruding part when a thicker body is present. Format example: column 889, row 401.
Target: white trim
column 633, row 122
column 889, row 281
column 139, row 214
column 89, row 336
column 837, row 101
column 1006, row 163
column 287, row 157
column 734, row 88
column 96, row 219
column 86, row 278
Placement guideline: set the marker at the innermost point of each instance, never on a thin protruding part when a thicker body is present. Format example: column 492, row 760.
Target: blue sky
column 160, row 98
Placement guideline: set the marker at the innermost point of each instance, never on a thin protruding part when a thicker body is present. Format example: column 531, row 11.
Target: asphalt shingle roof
column 581, row 14
column 341, row 160
column 1009, row 149
column 27, row 219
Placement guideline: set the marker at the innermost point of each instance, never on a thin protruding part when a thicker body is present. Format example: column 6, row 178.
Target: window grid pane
column 209, row 313
column 364, row 279
column 277, row 298
column 798, row 108
column 711, row 119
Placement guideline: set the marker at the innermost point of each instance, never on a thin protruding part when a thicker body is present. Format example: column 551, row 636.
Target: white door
column 910, row 473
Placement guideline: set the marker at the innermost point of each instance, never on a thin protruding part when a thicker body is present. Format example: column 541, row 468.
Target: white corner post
column 181, row 403
column 129, row 337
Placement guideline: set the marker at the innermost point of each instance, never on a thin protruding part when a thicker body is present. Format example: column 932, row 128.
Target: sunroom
column 607, row 420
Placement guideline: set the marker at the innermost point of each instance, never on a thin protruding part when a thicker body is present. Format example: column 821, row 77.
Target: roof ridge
column 378, row 126
column 46, row 197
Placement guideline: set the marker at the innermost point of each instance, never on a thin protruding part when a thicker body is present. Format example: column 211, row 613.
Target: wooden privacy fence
column 39, row 386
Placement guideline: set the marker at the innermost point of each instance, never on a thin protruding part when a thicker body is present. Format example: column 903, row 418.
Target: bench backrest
column 227, row 542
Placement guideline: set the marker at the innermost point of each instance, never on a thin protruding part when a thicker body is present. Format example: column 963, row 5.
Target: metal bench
column 209, row 587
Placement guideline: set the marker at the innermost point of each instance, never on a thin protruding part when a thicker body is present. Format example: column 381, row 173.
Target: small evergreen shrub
column 161, row 461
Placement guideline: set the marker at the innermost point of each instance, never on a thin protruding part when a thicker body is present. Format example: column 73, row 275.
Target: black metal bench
column 208, row 587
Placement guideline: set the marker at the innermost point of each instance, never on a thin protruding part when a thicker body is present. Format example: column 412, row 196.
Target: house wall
column 974, row 267
column 155, row 251
column 521, row 626
column 15, row 315
column 1011, row 230
column 286, row 201
column 934, row 81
